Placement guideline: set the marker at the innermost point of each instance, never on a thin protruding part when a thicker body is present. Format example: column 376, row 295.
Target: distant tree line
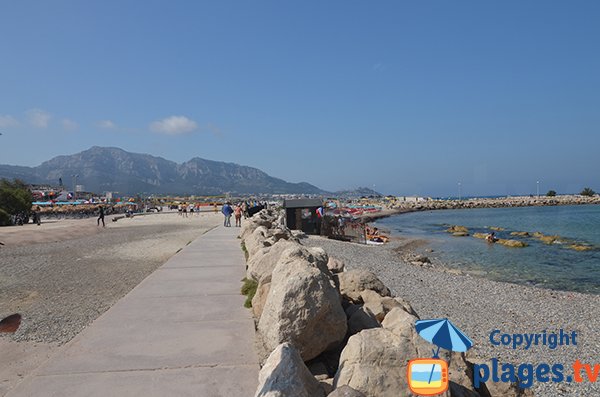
column 15, row 199
column 585, row 192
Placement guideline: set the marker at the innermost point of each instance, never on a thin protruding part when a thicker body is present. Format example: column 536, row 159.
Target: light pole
column 75, row 186
column 538, row 189
column 459, row 190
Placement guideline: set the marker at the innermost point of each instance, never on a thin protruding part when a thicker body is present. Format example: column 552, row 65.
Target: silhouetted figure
column 101, row 217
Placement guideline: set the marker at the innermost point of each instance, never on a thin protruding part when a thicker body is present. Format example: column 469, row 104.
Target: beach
column 64, row 274
column 479, row 306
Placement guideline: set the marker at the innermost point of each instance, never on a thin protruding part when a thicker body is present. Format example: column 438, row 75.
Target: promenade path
column 183, row 331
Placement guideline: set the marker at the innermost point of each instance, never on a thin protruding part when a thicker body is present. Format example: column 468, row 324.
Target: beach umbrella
column 443, row 334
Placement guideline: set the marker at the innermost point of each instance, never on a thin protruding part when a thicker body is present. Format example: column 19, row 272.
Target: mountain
column 102, row 169
column 358, row 192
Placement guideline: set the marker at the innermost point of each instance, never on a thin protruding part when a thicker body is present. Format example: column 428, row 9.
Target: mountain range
column 109, row 169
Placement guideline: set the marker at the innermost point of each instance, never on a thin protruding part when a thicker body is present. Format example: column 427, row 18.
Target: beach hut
column 301, row 214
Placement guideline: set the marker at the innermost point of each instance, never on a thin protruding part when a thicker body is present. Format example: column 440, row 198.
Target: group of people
column 374, row 235
column 184, row 208
column 228, row 210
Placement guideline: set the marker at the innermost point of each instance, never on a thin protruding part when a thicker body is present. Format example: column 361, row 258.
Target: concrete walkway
column 183, row 331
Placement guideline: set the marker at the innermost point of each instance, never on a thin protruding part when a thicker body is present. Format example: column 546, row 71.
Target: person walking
column 101, row 216
column 238, row 215
column 227, row 211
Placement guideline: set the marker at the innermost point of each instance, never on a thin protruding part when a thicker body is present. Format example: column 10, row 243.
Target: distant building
column 301, row 214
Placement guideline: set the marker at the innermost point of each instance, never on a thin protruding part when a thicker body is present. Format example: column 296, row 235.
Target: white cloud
column 38, row 118
column 69, row 125
column 108, row 124
column 7, row 121
column 174, row 125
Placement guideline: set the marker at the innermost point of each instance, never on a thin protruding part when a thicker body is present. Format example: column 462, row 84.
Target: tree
column 551, row 193
column 15, row 197
column 587, row 192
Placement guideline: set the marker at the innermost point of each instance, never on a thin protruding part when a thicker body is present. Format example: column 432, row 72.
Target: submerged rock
column 549, row 239
column 457, row 229
column 520, row 234
column 581, row 247
column 512, row 243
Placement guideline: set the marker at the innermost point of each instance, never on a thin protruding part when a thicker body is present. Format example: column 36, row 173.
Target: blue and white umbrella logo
column 443, row 334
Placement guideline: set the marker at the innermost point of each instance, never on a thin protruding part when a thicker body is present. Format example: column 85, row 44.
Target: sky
column 406, row 97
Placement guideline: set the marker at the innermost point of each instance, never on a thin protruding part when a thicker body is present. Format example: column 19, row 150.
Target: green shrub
column 15, row 197
column 249, row 289
column 587, row 192
column 4, row 218
column 551, row 193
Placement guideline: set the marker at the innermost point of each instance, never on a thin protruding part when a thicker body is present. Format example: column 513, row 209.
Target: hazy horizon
column 406, row 98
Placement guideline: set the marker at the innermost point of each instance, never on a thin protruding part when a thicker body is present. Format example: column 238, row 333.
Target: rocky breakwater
column 503, row 202
column 323, row 331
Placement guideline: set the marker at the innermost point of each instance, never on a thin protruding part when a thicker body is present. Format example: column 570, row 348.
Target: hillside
column 102, row 169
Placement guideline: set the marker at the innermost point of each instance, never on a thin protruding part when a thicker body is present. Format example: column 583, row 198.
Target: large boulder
column 353, row 282
column 502, row 389
column 260, row 298
column 374, row 302
column 263, row 218
column 262, row 263
column 374, row 361
column 303, row 308
column 284, row 374
column 335, row 265
column 280, row 232
column 315, row 256
column 256, row 240
column 382, row 305
column 361, row 318
column 345, row 391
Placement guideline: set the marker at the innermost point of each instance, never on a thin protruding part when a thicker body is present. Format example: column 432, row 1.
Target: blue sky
column 409, row 97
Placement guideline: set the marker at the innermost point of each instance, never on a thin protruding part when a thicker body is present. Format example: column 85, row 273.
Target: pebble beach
column 64, row 274
column 479, row 306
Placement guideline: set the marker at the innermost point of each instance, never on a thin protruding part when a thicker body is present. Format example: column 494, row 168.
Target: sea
column 553, row 266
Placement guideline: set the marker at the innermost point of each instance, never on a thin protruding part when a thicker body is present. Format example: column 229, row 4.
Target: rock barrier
column 322, row 330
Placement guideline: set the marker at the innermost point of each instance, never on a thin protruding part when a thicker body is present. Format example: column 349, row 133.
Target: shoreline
column 399, row 208
column 425, row 256
column 479, row 305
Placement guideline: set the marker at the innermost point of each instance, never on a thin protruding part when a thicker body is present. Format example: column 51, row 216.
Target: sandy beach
column 479, row 306
column 63, row 274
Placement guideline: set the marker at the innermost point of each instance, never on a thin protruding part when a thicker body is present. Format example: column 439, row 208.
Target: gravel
column 61, row 287
column 478, row 306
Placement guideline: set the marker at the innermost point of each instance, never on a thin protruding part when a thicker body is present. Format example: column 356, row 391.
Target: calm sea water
column 552, row 266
